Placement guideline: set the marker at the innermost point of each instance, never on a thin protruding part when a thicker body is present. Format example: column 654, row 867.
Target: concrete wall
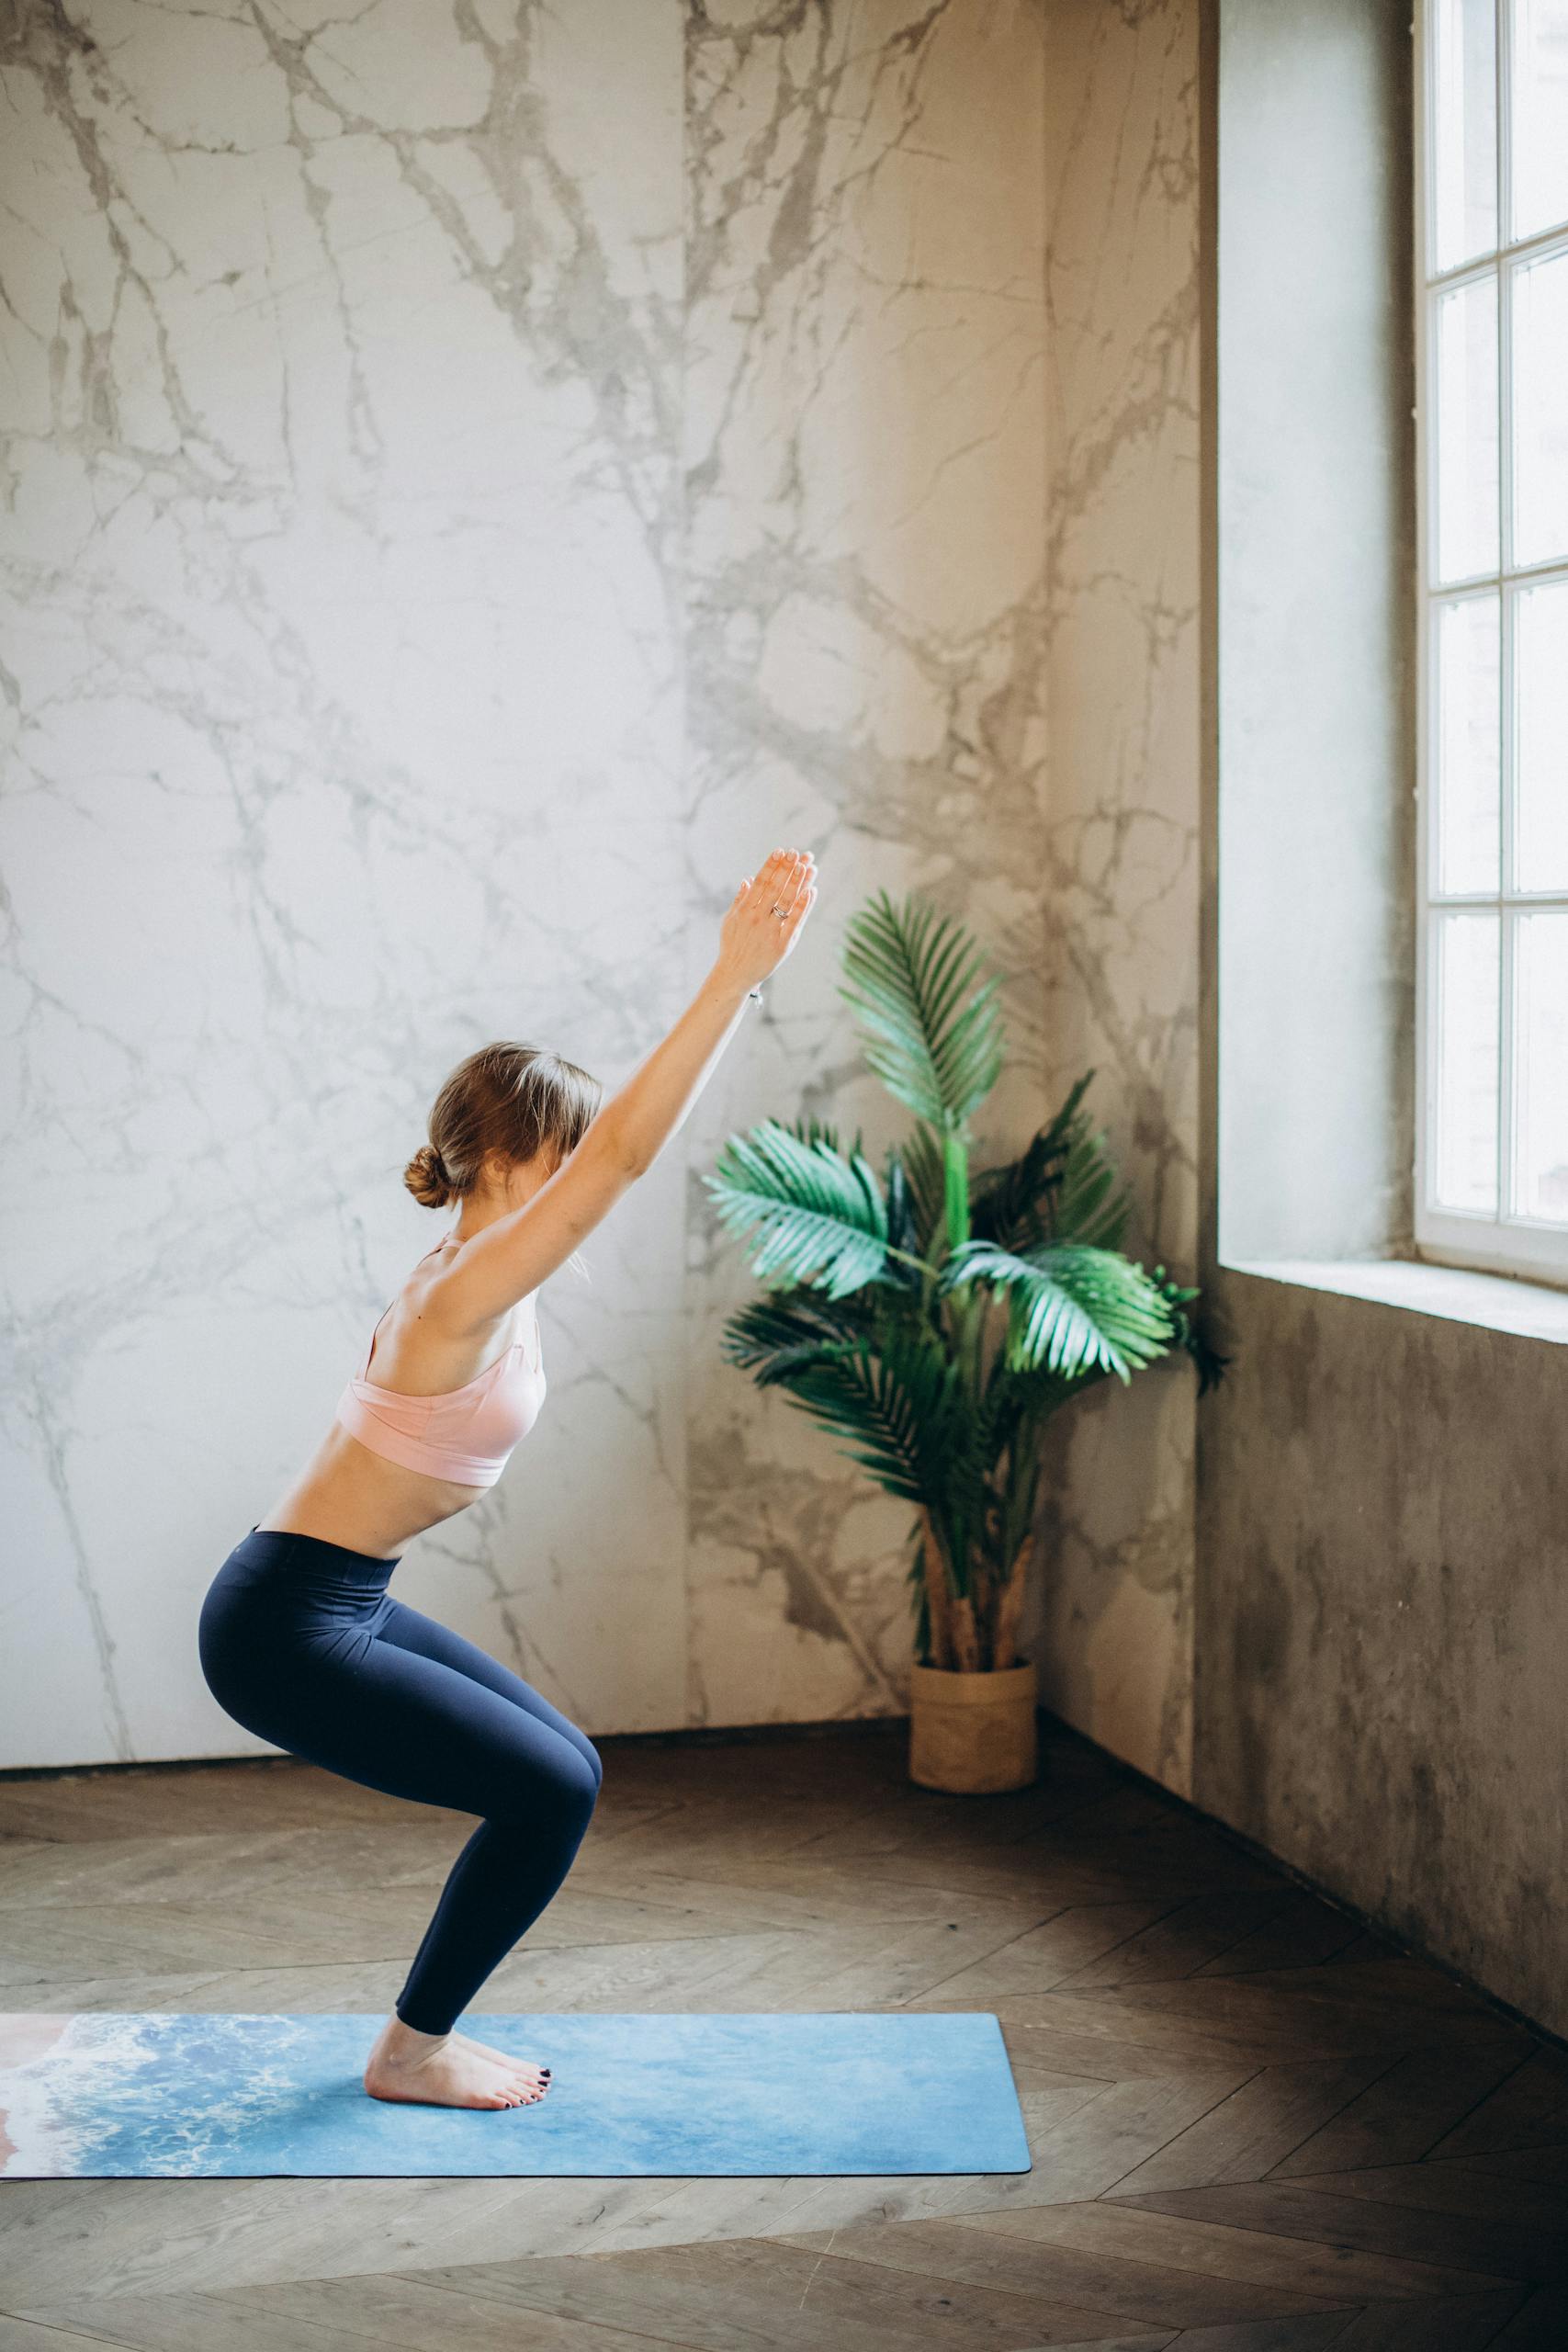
column 474, row 478
column 1330, row 1599
column 1383, row 1622
column 1381, row 1607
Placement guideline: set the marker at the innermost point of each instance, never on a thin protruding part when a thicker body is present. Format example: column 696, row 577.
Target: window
column 1492, row 414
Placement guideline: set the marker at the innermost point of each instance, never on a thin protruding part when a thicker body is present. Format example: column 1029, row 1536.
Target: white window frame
column 1504, row 1242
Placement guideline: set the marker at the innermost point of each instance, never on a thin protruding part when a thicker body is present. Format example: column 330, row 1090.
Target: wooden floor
column 1254, row 2128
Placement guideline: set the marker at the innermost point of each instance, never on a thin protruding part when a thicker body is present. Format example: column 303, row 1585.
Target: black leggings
column 301, row 1642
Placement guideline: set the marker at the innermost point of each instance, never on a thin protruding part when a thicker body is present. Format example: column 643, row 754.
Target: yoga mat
column 138, row 2095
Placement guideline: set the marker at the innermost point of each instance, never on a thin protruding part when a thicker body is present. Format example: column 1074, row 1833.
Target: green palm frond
column 1209, row 1362
column 1018, row 1394
column 910, row 969
column 1072, row 1306
column 968, row 1496
column 904, row 1224
column 1062, row 1186
column 921, row 1154
column 807, row 1129
column 775, row 1336
column 813, row 1214
column 1090, row 1206
column 1013, row 1204
column 900, row 1403
column 1191, row 1335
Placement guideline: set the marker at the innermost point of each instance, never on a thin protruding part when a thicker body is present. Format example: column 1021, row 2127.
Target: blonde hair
column 514, row 1100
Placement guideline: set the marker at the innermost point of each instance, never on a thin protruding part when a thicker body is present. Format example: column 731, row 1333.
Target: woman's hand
column 766, row 916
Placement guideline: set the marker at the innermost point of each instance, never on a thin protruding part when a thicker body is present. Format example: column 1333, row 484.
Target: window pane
column 1540, row 115
column 1464, row 131
column 1540, row 1097
column 1465, row 1001
column 1467, row 430
column 1465, row 745
column 1541, row 410
column 1541, row 738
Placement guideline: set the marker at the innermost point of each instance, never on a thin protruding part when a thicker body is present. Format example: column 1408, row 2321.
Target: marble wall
column 475, row 476
column 865, row 462
column 1114, row 1629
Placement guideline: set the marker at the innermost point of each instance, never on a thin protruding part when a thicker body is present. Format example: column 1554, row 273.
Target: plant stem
column 908, row 1258
column 939, row 1594
column 1011, row 1609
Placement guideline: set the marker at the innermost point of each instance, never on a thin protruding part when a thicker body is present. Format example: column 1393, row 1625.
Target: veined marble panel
column 864, row 421
column 354, row 361
column 476, row 476
column 343, row 712
column 1114, row 1627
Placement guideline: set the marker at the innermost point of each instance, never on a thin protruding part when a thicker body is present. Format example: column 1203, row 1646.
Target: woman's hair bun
column 427, row 1179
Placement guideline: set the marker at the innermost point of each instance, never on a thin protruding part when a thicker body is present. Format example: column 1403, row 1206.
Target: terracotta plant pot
column 973, row 1735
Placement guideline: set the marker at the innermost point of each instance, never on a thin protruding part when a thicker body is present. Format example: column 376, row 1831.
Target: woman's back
column 464, row 1434
column 419, row 1443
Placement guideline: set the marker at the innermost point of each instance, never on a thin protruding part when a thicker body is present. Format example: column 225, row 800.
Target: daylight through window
column 1492, row 211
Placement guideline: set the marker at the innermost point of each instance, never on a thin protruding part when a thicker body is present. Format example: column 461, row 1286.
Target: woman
column 301, row 1640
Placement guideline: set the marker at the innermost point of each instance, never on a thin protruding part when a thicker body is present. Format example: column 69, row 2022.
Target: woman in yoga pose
column 301, row 1640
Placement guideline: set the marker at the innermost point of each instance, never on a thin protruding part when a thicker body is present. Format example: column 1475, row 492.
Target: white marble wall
column 475, row 476
column 1114, row 1627
column 864, row 443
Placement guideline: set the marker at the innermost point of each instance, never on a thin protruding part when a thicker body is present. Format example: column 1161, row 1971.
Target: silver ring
column 777, row 910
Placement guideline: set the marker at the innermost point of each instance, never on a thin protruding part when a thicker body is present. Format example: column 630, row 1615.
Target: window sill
column 1495, row 1302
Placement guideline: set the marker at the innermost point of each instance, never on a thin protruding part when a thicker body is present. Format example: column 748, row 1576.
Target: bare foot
column 539, row 2076
column 444, row 2070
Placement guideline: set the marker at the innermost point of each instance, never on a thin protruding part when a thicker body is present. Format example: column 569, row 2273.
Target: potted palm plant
column 937, row 1315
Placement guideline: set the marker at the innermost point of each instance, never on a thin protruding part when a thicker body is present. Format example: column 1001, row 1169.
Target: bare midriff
column 348, row 1495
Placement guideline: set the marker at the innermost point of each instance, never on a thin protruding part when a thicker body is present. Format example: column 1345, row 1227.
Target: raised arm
column 511, row 1256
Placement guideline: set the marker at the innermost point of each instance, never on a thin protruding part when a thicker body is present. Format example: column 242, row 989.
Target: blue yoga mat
column 138, row 2095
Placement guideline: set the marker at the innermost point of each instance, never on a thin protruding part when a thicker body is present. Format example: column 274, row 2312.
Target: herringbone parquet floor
column 1254, row 2128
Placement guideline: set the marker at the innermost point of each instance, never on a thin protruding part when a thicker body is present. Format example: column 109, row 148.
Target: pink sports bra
column 465, row 1434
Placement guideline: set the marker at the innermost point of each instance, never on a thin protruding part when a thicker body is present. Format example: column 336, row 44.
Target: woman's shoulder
column 422, row 1281
column 426, row 1285
column 427, row 1272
